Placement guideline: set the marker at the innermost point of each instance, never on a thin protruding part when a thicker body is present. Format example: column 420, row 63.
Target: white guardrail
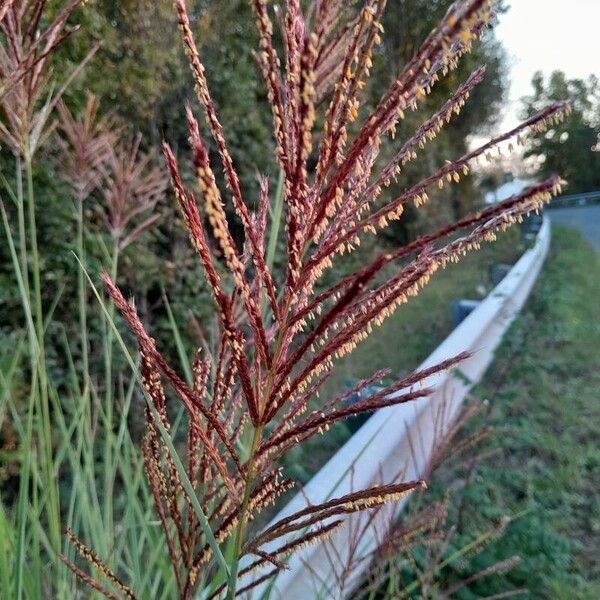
column 398, row 442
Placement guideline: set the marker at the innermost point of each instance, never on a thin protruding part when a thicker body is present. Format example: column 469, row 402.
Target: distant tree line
column 570, row 148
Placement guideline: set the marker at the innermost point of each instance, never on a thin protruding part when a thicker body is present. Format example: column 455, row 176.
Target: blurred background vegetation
column 140, row 77
column 567, row 150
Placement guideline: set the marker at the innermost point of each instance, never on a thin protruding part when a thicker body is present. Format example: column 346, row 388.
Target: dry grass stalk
column 24, row 53
column 86, row 143
column 131, row 187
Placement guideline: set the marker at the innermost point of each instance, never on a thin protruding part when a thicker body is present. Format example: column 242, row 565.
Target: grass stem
column 85, row 365
column 243, row 518
column 44, row 423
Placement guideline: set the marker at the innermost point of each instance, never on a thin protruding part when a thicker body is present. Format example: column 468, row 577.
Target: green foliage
column 568, row 148
column 146, row 79
column 141, row 76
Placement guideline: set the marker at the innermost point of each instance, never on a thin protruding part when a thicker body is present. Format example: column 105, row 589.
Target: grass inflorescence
column 215, row 436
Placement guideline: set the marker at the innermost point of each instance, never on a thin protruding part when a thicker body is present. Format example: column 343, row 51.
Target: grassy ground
column 541, row 464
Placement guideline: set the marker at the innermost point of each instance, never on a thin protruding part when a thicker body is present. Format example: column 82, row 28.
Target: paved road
column 584, row 218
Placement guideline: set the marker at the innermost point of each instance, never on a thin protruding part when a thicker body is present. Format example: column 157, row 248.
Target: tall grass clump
column 26, row 106
column 212, row 467
column 55, row 428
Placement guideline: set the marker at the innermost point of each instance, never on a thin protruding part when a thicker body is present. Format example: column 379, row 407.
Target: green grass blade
column 24, row 495
column 19, row 275
column 6, row 550
column 181, row 351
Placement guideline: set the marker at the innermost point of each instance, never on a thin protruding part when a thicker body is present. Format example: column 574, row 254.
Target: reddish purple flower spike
column 131, row 188
column 278, row 338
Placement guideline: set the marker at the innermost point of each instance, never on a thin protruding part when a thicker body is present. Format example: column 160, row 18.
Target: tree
column 568, row 147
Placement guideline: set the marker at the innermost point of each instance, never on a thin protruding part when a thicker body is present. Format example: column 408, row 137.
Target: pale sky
column 547, row 35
